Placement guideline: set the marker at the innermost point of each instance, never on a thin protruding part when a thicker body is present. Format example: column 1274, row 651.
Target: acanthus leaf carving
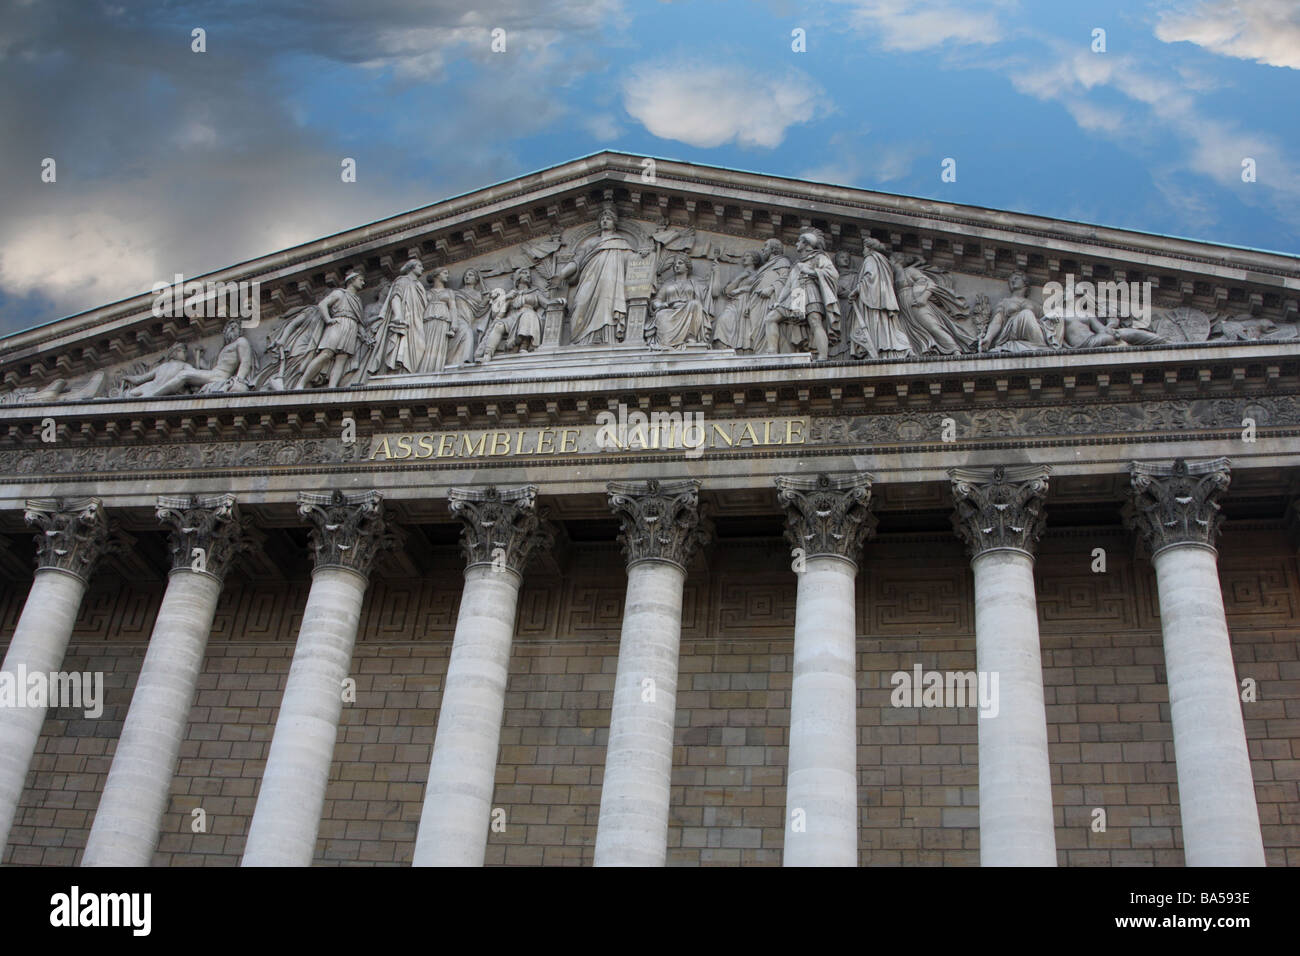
column 999, row 508
column 208, row 524
column 661, row 521
column 827, row 515
column 1177, row 503
column 72, row 534
column 348, row 529
column 500, row 526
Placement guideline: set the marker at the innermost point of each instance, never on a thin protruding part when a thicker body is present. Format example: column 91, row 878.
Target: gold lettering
column 767, row 434
column 718, row 432
column 748, row 430
column 383, row 447
column 500, row 440
column 568, row 440
column 789, row 431
column 446, row 446
column 543, row 440
column 468, row 450
column 426, row 447
column 519, row 440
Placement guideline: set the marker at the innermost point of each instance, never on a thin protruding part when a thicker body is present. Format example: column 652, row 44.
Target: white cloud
column 603, row 126
column 866, row 164
column 710, row 105
column 97, row 255
column 1152, row 104
column 911, row 25
column 1266, row 31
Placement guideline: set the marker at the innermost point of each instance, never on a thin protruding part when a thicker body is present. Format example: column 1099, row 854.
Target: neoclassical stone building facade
column 635, row 513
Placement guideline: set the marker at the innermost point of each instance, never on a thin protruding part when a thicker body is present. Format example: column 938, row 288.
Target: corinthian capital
column 72, row 535
column 502, row 526
column 999, row 507
column 205, row 533
column 1178, row 503
column 348, row 529
column 662, row 521
column 825, row 515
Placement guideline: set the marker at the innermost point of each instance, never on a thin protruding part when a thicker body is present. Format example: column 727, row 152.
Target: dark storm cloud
column 172, row 161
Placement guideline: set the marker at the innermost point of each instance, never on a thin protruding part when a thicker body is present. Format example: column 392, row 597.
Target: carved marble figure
column 517, row 318
column 598, row 313
column 342, row 315
column 682, row 310
column 807, row 305
column 930, row 312
column 734, row 326
column 231, row 372
column 401, row 339
column 874, row 328
column 1014, row 325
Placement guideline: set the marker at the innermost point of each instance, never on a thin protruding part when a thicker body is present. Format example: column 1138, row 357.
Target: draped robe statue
column 929, row 311
column 683, row 308
column 875, row 330
column 762, row 290
column 598, row 306
column 807, row 305
column 401, row 340
column 469, row 320
column 1014, row 326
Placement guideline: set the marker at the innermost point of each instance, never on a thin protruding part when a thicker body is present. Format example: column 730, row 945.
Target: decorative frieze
column 1178, row 503
column 72, row 534
column 349, row 529
column 501, row 526
column 825, row 515
column 205, row 533
column 661, row 521
column 999, row 507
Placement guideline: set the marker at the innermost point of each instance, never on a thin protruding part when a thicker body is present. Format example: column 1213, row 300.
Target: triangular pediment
column 697, row 268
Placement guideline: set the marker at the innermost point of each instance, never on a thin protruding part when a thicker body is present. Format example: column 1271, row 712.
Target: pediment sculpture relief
column 614, row 281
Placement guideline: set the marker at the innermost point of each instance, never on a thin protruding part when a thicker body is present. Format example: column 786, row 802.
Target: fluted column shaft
column 347, row 533
column 827, row 520
column 633, row 825
column 129, row 817
column 822, row 783
column 999, row 514
column 1176, row 508
column 462, row 772
column 1015, row 777
column 662, row 528
column 72, row 536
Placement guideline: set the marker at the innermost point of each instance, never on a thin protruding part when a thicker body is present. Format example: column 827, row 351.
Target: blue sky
column 168, row 160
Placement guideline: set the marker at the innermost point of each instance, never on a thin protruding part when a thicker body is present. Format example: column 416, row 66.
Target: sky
column 168, row 159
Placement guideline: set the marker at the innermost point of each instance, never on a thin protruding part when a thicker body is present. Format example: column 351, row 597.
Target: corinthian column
column 206, row 534
column 71, row 538
column 1000, row 516
column 827, row 520
column 1176, row 508
column 662, row 528
column 348, row 531
column 502, row 531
